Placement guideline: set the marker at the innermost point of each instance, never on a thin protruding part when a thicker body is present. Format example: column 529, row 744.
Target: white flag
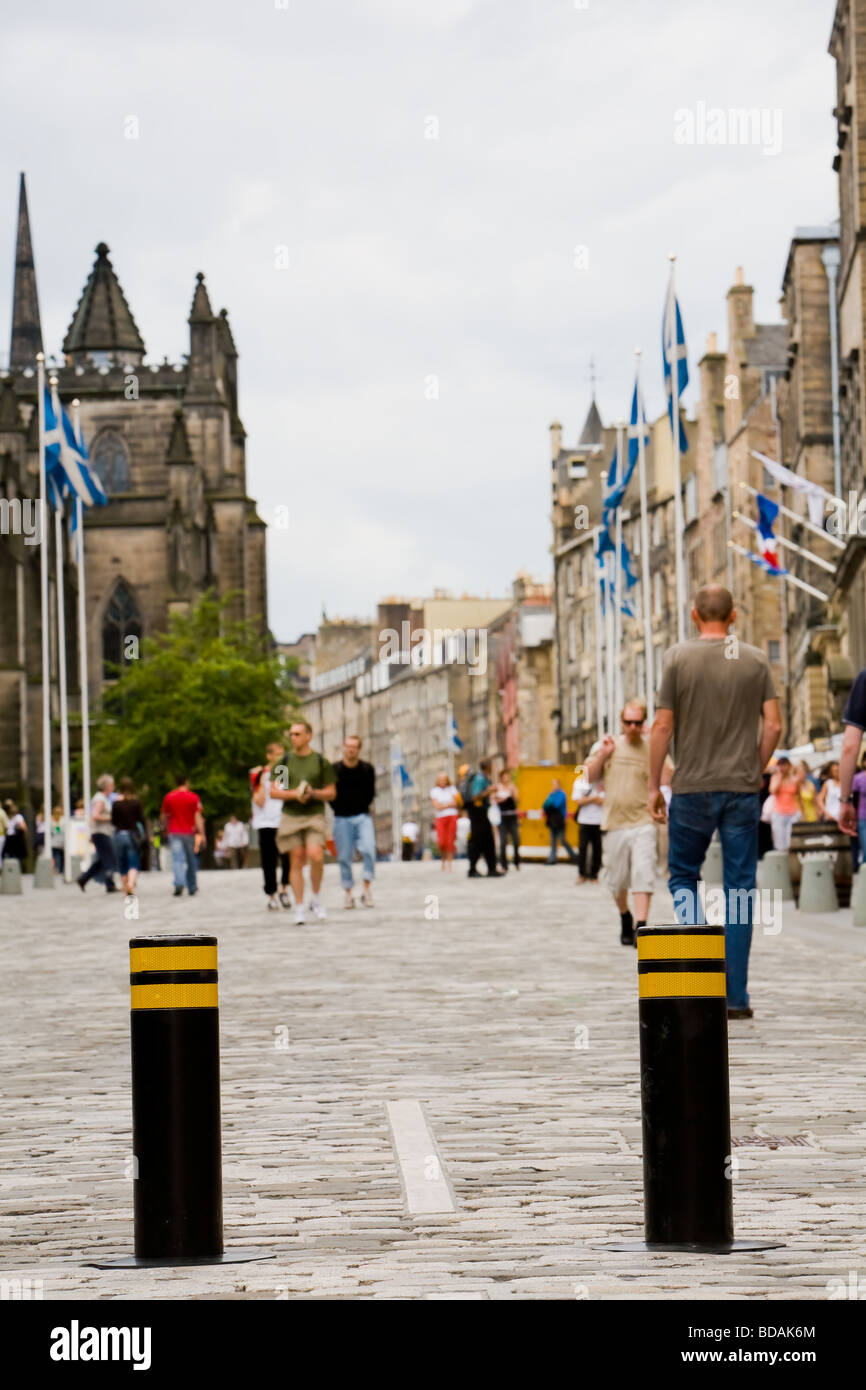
column 815, row 495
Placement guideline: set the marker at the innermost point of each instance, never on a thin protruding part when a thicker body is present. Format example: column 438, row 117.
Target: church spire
column 103, row 322
column 26, row 338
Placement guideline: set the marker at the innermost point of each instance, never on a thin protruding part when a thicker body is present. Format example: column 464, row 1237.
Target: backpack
column 464, row 789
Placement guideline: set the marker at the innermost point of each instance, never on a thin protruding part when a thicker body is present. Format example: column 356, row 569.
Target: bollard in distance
column 177, row 1165
column 685, row 1102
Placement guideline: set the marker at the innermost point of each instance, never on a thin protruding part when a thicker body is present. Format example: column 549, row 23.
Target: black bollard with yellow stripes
column 685, row 1101
column 177, row 1164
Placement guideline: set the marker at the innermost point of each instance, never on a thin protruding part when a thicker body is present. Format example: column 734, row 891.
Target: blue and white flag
column 674, row 349
column 764, row 564
column 66, row 460
column 455, row 743
column 637, row 427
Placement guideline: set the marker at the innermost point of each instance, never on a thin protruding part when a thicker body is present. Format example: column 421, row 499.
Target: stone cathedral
column 168, row 445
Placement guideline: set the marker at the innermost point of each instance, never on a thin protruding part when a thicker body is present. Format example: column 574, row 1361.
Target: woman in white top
column 829, row 801
column 265, row 818
column 444, row 798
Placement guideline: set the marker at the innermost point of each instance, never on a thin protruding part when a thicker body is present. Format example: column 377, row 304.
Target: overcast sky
column 412, row 258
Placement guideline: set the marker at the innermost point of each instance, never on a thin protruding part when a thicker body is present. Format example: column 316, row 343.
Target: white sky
column 411, row 257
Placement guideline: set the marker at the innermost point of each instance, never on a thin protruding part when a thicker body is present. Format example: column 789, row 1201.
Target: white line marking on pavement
column 421, row 1171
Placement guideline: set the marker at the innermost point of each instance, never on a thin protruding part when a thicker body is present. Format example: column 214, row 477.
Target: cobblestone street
column 511, row 1017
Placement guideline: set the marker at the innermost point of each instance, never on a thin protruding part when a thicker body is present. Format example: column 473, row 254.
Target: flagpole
column 618, row 579
column 795, row 516
column 788, row 545
column 674, row 360
column 599, row 659
column 649, row 663
column 46, row 619
column 61, row 658
column 789, row 578
column 608, row 624
column 82, row 633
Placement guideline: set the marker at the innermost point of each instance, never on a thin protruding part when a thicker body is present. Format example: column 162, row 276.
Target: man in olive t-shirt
column 718, row 702
column 303, row 783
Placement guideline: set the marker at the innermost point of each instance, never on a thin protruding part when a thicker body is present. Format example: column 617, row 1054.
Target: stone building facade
column 168, row 444
column 848, row 48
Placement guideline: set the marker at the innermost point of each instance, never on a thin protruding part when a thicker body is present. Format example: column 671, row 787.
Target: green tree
column 204, row 698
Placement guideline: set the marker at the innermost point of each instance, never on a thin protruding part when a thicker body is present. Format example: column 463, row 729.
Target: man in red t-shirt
column 183, row 822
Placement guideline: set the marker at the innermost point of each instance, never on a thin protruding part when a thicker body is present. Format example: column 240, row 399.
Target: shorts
column 630, row 859
column 446, row 833
column 299, row 832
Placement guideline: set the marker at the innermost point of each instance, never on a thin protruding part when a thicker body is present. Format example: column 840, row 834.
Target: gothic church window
column 122, row 620
column 110, row 459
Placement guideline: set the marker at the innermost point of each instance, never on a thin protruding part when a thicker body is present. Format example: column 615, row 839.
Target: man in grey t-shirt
column 718, row 702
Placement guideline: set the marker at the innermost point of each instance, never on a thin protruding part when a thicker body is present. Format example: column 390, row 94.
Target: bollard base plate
column 686, row 1248
column 234, row 1255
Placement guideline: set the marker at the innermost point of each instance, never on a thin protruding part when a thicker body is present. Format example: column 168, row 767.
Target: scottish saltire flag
column 66, row 461
column 455, row 742
column 768, row 510
column 604, row 544
column 674, row 350
column 637, row 427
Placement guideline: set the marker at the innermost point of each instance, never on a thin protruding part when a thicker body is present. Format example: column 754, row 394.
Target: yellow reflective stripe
column 172, row 958
column 175, row 996
column 661, row 984
column 681, row 947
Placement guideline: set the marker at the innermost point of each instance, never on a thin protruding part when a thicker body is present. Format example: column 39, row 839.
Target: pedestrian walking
column 444, row 798
column 102, row 836
column 183, row 822
column 852, row 812
column 807, row 794
column 464, row 830
column 506, row 797
column 127, row 817
column 478, row 788
column 555, row 807
column 4, row 822
column 588, row 797
column 830, row 797
column 58, row 839
column 630, row 837
column 785, row 791
column 409, row 832
column 353, row 822
column 236, row 839
column 39, row 832
column 305, row 784
column 265, row 817
column 15, row 842
column 718, row 702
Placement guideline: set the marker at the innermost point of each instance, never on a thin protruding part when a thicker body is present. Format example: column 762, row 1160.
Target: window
column 110, row 459
column 658, row 593
column 122, row 620
column 573, row 710
column 639, row 674
column 774, row 651
column 569, row 577
column 658, row 665
column 695, row 568
column 657, row 526
column 587, row 700
column 691, row 498
column 585, row 632
column 720, row 467
column 719, row 546
column 572, row 640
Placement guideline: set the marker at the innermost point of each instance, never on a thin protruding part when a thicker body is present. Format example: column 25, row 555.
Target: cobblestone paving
column 512, row 1018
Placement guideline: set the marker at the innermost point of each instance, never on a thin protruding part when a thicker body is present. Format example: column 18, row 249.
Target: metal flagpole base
column 237, row 1255
column 728, row 1248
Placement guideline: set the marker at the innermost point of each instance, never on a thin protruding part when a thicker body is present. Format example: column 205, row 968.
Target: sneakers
column 178, row 893
column 367, row 899
column 348, row 901
column 318, row 910
column 284, row 899
column 626, row 929
column 741, row 1013
column 300, row 916
column 273, row 905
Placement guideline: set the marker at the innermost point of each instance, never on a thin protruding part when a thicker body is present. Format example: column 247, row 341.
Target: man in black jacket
column 353, row 824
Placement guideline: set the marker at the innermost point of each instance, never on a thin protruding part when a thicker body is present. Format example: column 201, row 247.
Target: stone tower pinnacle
column 26, row 338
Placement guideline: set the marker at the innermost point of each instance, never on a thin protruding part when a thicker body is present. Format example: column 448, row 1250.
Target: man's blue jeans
column 351, row 833
column 693, row 817
column 183, row 861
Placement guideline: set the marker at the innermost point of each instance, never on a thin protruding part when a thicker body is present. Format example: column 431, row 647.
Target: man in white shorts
column 630, row 840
